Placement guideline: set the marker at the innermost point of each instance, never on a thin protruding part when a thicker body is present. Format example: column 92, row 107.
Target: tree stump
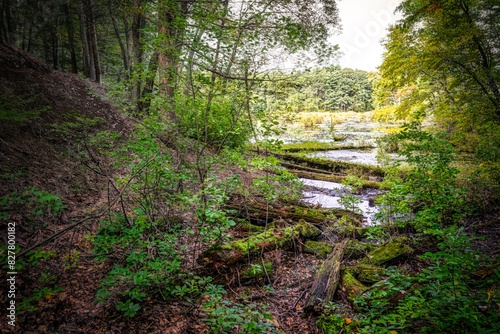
column 326, row 281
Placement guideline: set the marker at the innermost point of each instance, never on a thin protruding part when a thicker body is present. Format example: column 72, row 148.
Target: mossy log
column 296, row 168
column 257, row 270
column 331, row 165
column 318, row 147
column 355, row 249
column 326, row 281
column 351, row 286
column 351, row 231
column 367, row 273
column 332, row 178
column 246, row 228
column 259, row 212
column 388, row 252
column 239, row 250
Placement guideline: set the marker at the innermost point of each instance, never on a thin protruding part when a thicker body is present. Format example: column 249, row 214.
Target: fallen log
column 351, row 231
column 222, row 255
column 355, row 249
column 351, row 286
column 388, row 252
column 367, row 273
column 332, row 178
column 326, row 281
column 331, row 165
column 304, row 168
column 256, row 212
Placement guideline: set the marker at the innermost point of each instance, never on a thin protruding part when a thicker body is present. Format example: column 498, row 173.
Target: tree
column 446, row 53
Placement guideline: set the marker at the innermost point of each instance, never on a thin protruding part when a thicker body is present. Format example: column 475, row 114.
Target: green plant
column 213, row 218
column 19, row 108
column 429, row 191
column 150, row 261
column 72, row 259
column 333, row 320
column 46, row 282
column 228, row 317
column 348, row 200
column 440, row 299
column 39, row 201
column 76, row 123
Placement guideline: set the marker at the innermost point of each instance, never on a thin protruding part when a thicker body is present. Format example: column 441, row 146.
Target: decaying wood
column 304, row 168
column 332, row 178
column 326, row 281
column 222, row 255
column 259, row 212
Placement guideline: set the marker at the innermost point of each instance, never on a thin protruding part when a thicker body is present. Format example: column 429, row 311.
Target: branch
column 69, row 228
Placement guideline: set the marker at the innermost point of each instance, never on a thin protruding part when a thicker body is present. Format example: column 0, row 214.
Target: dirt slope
column 42, row 113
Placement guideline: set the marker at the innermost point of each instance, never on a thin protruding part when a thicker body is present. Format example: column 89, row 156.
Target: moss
column 367, row 273
column 254, row 271
column 334, row 166
column 306, row 230
column 335, row 324
column 355, row 249
column 316, row 146
column 246, row 227
column 388, row 252
column 320, row 249
column 352, row 286
column 312, row 215
column 350, row 231
column 352, row 217
column 249, row 244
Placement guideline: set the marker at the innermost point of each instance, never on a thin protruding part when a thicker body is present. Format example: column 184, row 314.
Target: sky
column 364, row 25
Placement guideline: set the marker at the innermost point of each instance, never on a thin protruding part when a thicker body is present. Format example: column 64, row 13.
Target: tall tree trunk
column 71, row 36
column 172, row 17
column 145, row 101
column 11, row 29
column 93, row 42
column 138, row 48
column 85, row 43
column 123, row 48
column 55, row 41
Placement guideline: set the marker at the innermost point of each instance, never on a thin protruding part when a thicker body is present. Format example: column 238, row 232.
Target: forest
column 206, row 166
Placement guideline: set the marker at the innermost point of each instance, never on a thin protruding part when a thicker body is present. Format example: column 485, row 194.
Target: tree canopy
column 443, row 57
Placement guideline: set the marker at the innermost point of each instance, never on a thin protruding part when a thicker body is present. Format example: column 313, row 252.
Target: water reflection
column 327, row 194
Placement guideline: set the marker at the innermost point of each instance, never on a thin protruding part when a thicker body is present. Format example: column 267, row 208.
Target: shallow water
column 328, row 194
column 365, row 157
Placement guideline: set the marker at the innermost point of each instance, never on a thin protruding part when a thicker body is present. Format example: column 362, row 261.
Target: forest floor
column 32, row 154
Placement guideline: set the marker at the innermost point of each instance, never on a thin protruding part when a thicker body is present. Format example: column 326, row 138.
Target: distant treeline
column 323, row 89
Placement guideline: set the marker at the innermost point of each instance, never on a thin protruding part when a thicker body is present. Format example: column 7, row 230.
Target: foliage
column 314, row 91
column 348, row 200
column 150, row 262
column 220, row 123
column 429, row 190
column 19, row 109
column 229, row 317
column 76, row 124
column 40, row 202
column 442, row 298
column 441, row 61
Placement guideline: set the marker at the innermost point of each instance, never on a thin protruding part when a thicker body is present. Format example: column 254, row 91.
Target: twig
column 300, row 297
column 69, row 228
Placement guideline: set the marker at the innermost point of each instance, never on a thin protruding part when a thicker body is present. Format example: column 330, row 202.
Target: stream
column 328, row 194
column 357, row 130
